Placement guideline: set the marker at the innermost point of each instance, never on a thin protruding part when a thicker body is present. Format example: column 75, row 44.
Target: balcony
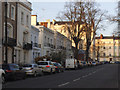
column 27, row 46
column 35, row 45
column 51, row 45
column 11, row 42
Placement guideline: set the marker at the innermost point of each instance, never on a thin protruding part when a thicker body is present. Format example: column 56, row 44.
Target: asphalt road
column 102, row 76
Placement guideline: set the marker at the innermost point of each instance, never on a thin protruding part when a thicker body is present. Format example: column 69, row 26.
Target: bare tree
column 85, row 18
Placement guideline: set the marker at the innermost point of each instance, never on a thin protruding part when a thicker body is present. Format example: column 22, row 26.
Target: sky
column 49, row 10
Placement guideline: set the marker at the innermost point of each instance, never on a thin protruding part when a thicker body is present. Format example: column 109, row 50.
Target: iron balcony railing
column 27, row 46
column 10, row 42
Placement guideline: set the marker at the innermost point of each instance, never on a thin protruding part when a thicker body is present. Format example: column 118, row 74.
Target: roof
column 64, row 22
column 108, row 37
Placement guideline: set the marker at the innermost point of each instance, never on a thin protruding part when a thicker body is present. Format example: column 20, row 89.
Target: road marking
column 76, row 79
column 90, row 74
column 63, row 84
column 94, row 72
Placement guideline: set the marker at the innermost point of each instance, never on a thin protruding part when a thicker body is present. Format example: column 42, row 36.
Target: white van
column 71, row 64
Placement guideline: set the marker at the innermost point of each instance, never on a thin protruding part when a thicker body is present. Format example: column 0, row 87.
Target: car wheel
column 3, row 79
column 35, row 74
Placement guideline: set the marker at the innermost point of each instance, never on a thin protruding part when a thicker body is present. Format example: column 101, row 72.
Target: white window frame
column 13, row 18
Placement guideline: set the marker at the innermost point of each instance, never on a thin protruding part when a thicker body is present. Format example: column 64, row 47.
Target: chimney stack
column 34, row 20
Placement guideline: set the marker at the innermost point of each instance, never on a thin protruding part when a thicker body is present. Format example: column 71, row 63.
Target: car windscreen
column 42, row 63
column 27, row 65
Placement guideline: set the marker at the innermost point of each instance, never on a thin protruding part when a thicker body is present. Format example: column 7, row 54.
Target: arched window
column 9, row 30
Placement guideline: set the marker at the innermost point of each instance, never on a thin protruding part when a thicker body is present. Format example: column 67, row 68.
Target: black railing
column 27, row 46
column 35, row 45
column 10, row 42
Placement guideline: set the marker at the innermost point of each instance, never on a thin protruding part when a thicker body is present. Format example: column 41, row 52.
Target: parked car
column 89, row 63
column 12, row 71
column 112, row 62
column 81, row 64
column 2, row 75
column 117, row 62
column 32, row 69
column 47, row 66
column 58, row 67
column 84, row 63
column 94, row 63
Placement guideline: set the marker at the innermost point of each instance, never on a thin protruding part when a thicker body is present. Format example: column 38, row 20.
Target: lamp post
column 6, row 50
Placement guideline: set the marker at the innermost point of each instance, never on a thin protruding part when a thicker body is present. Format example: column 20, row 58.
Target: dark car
column 59, row 67
column 117, row 62
column 13, row 72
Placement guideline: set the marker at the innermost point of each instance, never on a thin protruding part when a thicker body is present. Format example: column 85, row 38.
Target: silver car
column 32, row 69
column 2, row 76
column 47, row 66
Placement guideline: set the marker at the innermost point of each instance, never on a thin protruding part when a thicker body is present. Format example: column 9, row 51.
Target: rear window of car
column 14, row 67
column 27, row 65
column 42, row 63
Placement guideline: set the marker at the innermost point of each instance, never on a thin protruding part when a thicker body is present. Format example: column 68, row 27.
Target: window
column 48, row 40
column 51, row 41
column 45, row 38
column 12, row 12
column 109, row 54
column 119, row 47
column 27, row 18
column 109, row 47
column 103, row 47
column 115, row 47
column 22, row 18
column 35, row 39
column 104, row 54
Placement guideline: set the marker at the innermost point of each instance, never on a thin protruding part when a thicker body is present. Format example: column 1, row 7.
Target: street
column 102, row 76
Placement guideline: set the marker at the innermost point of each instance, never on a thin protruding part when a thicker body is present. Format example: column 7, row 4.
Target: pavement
column 101, row 76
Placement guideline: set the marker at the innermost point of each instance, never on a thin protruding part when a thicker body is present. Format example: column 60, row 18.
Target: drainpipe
column 6, row 50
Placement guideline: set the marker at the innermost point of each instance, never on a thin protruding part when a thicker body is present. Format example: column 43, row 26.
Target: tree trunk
column 76, row 50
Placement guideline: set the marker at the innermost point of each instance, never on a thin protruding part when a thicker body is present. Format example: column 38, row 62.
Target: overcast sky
column 50, row 10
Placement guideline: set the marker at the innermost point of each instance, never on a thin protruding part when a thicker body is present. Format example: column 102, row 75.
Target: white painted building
column 63, row 44
column 23, row 49
column 46, row 40
column 36, row 50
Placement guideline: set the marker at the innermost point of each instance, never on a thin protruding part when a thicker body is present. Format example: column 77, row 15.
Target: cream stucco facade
column 36, row 47
column 108, row 48
column 23, row 49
